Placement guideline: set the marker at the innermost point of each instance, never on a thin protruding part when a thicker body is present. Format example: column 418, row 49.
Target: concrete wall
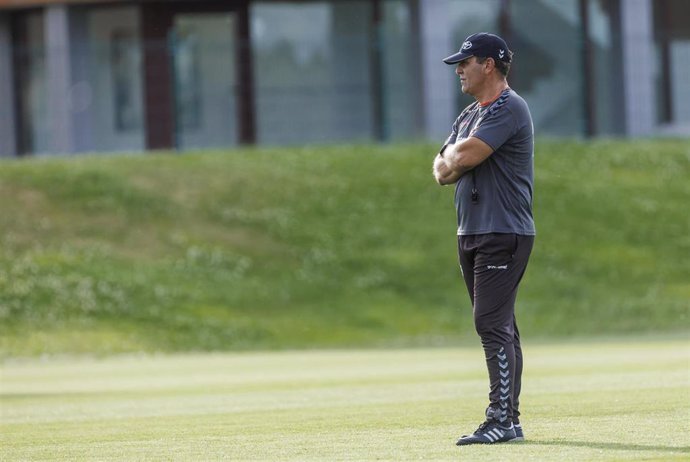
column 58, row 79
column 638, row 66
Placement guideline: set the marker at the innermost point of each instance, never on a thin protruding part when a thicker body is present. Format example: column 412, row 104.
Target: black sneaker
column 489, row 432
column 519, row 436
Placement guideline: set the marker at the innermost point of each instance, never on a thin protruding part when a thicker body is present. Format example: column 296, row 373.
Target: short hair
column 502, row 66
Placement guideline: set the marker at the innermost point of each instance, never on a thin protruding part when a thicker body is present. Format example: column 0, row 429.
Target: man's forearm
column 453, row 160
column 466, row 154
column 442, row 173
column 453, row 157
column 459, row 158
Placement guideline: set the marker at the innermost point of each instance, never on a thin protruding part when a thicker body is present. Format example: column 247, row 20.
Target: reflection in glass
column 33, row 103
column 187, row 81
column 547, row 72
column 123, row 65
column 400, row 72
column 312, row 71
column 112, row 68
column 204, row 62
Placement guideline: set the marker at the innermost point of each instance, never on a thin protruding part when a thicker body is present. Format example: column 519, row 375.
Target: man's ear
column 490, row 64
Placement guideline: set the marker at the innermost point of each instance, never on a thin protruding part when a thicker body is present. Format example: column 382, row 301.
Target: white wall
column 638, row 66
column 58, row 79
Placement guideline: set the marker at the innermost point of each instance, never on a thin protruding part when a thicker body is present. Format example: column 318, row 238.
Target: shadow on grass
column 610, row 446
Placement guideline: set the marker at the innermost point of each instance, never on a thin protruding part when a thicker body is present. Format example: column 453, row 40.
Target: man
column 489, row 157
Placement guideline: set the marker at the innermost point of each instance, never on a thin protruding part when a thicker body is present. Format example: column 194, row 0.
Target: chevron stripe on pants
column 492, row 267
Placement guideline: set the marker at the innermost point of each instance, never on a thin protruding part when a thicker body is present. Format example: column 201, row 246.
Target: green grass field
column 607, row 400
column 328, row 247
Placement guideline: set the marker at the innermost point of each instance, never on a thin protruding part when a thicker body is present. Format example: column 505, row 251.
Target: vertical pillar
column 505, row 30
column 504, row 25
column 159, row 102
column 58, row 79
column 589, row 81
column 376, row 52
column 616, row 78
column 437, row 77
column 8, row 126
column 20, row 65
column 637, row 43
column 245, row 78
column 664, row 29
column 415, row 70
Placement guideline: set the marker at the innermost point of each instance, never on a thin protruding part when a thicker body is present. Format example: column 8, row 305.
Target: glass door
column 30, row 58
column 203, row 47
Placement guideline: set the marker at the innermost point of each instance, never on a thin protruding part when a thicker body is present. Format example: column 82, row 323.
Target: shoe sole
column 486, row 443
column 469, row 443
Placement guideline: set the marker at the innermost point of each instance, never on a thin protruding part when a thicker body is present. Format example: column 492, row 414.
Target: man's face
column 471, row 75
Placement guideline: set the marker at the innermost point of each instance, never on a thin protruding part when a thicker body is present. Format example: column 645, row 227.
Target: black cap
column 482, row 45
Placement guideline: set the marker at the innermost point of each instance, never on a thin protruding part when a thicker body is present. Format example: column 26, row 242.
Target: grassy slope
column 324, row 247
column 581, row 402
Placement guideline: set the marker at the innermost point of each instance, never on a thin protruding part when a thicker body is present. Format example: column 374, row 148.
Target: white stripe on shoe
column 496, row 434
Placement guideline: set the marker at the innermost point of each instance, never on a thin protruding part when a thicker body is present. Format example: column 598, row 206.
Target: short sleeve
column 452, row 138
column 496, row 128
column 453, row 133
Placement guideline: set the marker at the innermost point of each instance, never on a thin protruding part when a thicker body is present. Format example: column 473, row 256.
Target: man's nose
column 458, row 70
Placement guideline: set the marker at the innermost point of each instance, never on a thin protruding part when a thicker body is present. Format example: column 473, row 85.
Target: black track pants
column 492, row 266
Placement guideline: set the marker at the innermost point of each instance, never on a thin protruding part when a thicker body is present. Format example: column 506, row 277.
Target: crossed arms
column 459, row 158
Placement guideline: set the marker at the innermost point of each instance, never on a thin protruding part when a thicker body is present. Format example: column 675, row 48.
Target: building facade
column 124, row 75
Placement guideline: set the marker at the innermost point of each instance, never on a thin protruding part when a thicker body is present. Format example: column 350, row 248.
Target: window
column 187, row 79
column 312, row 70
column 124, row 65
column 111, row 65
column 205, row 79
column 547, row 70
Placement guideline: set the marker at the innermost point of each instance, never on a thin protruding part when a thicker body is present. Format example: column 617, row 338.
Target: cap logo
column 466, row 45
column 501, row 53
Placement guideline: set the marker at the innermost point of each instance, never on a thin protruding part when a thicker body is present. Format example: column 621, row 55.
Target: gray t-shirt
column 503, row 183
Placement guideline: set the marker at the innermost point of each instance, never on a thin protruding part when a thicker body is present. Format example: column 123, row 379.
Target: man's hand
column 442, row 172
column 459, row 158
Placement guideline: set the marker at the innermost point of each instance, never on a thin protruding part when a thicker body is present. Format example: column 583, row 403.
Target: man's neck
column 491, row 92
